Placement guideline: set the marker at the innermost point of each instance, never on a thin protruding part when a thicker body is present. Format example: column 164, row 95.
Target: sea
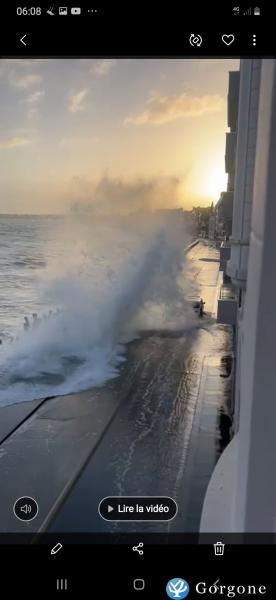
column 88, row 285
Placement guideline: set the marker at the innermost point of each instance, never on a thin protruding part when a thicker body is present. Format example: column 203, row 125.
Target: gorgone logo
column 177, row 588
column 230, row 591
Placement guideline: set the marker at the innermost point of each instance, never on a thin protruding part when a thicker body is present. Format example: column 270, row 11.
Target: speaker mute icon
column 25, row 508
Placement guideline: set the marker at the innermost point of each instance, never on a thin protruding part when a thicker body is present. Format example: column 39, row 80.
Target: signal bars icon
column 249, row 11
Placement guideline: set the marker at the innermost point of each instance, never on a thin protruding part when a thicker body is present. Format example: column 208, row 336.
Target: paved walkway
column 169, row 432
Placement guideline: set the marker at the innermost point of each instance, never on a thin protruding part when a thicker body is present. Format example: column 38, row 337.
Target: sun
column 209, row 180
column 216, row 181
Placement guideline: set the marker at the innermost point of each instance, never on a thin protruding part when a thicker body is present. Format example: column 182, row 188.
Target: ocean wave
column 111, row 282
column 30, row 263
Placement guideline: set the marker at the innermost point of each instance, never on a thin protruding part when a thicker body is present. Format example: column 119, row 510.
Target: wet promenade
column 171, row 427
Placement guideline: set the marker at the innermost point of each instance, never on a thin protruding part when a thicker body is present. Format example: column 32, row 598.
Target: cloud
column 14, row 142
column 76, row 102
column 35, row 97
column 25, row 81
column 18, row 74
column 8, row 66
column 102, row 67
column 118, row 196
column 33, row 101
column 73, row 141
column 165, row 109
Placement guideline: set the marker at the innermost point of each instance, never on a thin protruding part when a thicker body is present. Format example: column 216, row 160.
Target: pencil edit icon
column 56, row 548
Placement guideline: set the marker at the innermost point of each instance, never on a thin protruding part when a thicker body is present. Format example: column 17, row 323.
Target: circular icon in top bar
column 195, row 39
column 25, row 508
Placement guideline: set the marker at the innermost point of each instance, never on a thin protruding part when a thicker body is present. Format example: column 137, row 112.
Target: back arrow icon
column 22, row 39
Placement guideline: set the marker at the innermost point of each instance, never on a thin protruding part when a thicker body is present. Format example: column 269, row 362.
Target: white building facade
column 241, row 495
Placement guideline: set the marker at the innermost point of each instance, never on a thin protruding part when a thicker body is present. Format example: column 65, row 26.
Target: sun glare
column 216, row 182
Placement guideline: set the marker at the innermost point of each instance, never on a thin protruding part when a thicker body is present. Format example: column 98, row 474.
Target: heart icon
column 228, row 39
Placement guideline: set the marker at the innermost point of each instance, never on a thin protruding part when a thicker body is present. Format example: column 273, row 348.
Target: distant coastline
column 37, row 216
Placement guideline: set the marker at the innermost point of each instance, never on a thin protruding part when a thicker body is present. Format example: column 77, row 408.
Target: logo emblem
column 177, row 588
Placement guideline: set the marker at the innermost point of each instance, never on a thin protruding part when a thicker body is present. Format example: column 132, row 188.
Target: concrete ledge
column 45, row 455
column 13, row 415
column 191, row 245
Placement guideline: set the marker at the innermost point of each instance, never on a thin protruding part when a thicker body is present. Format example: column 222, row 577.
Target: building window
column 240, row 299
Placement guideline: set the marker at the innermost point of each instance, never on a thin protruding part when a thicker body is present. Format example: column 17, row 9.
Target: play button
column 137, row 508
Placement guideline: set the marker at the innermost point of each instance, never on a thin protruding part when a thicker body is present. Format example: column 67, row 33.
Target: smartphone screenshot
column 137, row 290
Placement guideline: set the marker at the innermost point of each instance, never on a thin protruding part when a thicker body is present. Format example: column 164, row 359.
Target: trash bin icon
column 219, row 549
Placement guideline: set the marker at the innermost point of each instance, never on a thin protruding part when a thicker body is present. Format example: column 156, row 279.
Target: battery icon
column 257, row 10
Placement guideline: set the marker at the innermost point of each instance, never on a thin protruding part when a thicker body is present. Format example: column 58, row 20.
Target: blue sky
column 68, row 125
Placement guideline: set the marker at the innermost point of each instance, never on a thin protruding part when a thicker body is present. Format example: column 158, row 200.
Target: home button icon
column 139, row 584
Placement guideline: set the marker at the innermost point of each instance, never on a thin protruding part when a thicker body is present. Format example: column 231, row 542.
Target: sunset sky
column 133, row 132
